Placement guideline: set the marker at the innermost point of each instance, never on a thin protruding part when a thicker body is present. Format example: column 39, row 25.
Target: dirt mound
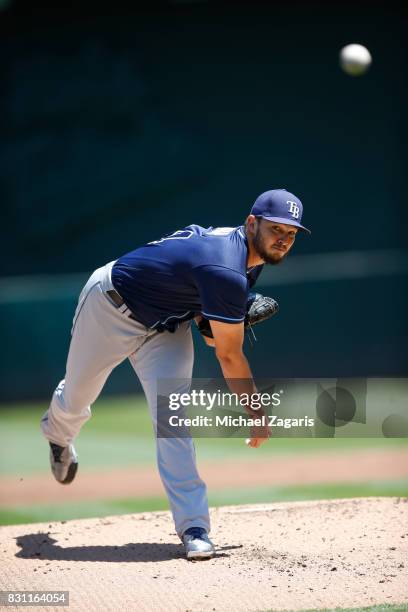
column 277, row 556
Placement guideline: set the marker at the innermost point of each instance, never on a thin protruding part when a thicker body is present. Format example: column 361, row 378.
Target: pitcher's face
column 272, row 241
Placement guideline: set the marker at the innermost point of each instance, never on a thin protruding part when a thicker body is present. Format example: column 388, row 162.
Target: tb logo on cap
column 293, row 209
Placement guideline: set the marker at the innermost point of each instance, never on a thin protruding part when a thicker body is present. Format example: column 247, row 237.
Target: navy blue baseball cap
column 281, row 206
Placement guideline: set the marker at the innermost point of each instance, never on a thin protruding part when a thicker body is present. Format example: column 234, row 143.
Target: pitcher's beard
column 270, row 258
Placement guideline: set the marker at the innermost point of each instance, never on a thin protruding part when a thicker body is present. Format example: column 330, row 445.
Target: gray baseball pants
column 102, row 337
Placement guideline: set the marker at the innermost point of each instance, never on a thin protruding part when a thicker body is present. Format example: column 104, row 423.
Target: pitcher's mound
column 294, row 556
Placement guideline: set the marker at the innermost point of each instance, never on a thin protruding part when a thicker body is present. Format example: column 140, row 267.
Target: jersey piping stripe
column 213, row 316
column 171, row 317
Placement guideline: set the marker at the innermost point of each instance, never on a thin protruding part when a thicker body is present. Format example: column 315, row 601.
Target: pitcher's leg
column 169, row 355
column 102, row 338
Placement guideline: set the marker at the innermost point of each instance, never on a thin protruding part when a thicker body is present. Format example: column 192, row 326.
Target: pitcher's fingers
column 254, row 443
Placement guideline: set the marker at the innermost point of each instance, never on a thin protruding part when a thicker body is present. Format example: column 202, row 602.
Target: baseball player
column 141, row 307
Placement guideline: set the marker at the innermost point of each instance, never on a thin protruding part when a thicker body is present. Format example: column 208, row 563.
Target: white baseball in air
column 355, row 59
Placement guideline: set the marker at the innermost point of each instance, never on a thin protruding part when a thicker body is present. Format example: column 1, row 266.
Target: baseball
column 355, row 60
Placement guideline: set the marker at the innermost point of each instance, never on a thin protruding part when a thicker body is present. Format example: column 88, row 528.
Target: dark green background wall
column 117, row 129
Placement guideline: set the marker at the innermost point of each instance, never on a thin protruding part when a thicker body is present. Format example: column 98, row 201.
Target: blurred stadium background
column 121, row 125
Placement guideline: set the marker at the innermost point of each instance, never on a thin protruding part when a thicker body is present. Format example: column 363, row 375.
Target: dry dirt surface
column 287, row 556
column 348, row 466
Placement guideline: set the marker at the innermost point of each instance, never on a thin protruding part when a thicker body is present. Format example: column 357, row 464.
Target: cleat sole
column 72, row 470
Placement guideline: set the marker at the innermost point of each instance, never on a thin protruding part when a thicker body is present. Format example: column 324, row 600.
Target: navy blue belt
column 119, row 301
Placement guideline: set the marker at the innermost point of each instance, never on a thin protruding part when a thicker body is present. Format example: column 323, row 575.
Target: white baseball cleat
column 64, row 462
column 197, row 544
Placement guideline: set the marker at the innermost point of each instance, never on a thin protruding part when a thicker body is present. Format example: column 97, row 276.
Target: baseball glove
column 259, row 308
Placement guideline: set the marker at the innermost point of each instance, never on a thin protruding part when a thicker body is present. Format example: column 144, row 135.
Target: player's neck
column 253, row 258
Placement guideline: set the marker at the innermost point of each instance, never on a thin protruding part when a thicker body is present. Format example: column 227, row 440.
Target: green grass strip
column 379, row 608
column 88, row 509
column 120, row 434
